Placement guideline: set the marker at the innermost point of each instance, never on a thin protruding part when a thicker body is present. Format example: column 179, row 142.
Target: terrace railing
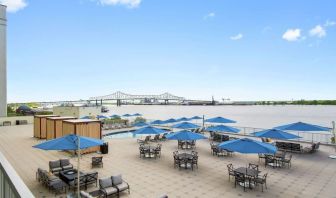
column 11, row 185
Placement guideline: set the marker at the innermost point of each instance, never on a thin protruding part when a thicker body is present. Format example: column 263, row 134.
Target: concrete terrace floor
column 311, row 175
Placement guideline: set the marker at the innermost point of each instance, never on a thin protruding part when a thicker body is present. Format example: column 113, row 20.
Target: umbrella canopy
column 182, row 119
column 149, row 130
column 158, row 122
column 115, row 116
column 86, row 117
column 127, row 115
column 195, row 118
column 171, row 120
column 140, row 124
column 137, row 114
column 223, row 128
column 185, row 135
column 276, row 134
column 247, row 145
column 101, row 117
column 301, row 126
column 185, row 125
column 220, row 120
column 69, row 142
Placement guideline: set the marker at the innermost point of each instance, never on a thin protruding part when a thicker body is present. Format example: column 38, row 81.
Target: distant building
column 77, row 111
column 3, row 67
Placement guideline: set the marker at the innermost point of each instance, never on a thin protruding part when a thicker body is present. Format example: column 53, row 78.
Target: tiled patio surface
column 311, row 175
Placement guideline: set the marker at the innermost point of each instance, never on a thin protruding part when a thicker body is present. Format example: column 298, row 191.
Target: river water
column 249, row 118
column 257, row 116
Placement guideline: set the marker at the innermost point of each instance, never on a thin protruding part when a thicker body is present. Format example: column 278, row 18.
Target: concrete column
column 3, row 70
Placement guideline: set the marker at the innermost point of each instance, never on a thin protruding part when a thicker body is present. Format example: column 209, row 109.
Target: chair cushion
column 110, row 190
column 116, row 180
column 84, row 194
column 122, row 186
column 57, row 169
column 67, row 167
column 55, row 164
column 105, row 183
column 65, row 162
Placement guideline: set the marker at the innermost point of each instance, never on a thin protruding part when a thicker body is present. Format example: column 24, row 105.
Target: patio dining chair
column 240, row 179
column 262, row 181
column 254, row 166
column 97, row 161
column 230, row 170
column 287, row 161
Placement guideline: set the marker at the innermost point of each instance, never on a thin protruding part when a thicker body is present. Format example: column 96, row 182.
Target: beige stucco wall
column 3, row 70
column 77, row 112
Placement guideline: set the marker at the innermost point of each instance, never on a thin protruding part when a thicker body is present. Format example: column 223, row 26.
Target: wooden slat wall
column 37, row 128
column 50, row 129
column 59, row 128
column 43, row 128
column 68, row 128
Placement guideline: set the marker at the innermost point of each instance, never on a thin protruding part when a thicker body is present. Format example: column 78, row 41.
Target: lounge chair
column 157, row 150
column 91, row 178
column 55, row 166
column 261, row 156
column 120, row 184
column 97, row 161
column 65, row 164
column 74, row 183
column 106, row 186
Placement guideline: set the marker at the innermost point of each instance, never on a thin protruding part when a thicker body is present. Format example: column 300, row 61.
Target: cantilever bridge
column 119, row 96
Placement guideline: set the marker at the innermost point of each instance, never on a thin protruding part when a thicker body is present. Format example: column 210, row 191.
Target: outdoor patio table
column 186, row 157
column 69, row 175
column 149, row 150
column 250, row 173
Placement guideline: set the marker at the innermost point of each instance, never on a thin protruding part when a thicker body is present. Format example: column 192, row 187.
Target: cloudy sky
column 242, row 50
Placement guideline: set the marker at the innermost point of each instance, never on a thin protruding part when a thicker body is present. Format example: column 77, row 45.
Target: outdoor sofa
column 60, row 165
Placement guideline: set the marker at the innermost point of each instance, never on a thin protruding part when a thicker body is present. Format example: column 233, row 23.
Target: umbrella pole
column 78, row 166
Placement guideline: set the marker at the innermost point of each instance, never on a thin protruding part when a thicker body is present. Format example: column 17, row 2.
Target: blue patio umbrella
column 140, row 124
column 301, row 126
column 115, row 116
column 137, row 114
column 101, row 117
column 185, row 135
column 195, row 118
column 220, row 120
column 171, row 120
column 127, row 115
column 223, row 128
column 149, row 130
column 247, row 146
column 86, row 117
column 182, row 119
column 185, row 125
column 70, row 142
column 157, row 122
column 275, row 134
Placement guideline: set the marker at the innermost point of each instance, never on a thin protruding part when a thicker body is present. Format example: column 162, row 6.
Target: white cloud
column 329, row 23
column 292, row 35
column 210, row 15
column 14, row 5
column 318, row 31
column 128, row 3
column 237, row 37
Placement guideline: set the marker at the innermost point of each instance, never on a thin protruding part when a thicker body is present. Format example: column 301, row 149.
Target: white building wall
column 3, row 70
column 77, row 112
